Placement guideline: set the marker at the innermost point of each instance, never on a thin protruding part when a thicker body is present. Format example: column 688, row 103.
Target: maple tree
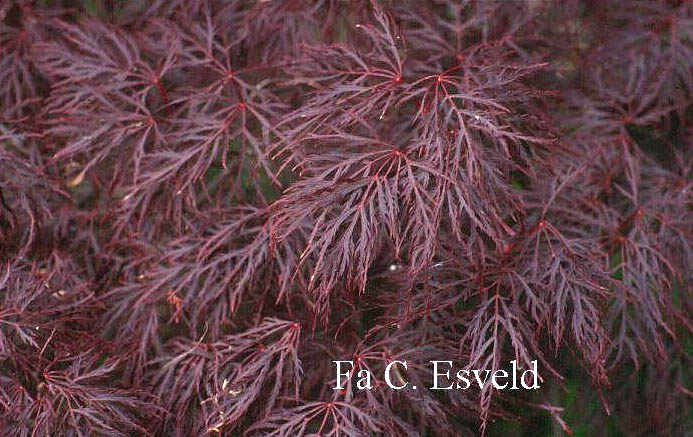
column 204, row 202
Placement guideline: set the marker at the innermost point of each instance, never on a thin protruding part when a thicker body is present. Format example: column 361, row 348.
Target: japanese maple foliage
column 205, row 202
